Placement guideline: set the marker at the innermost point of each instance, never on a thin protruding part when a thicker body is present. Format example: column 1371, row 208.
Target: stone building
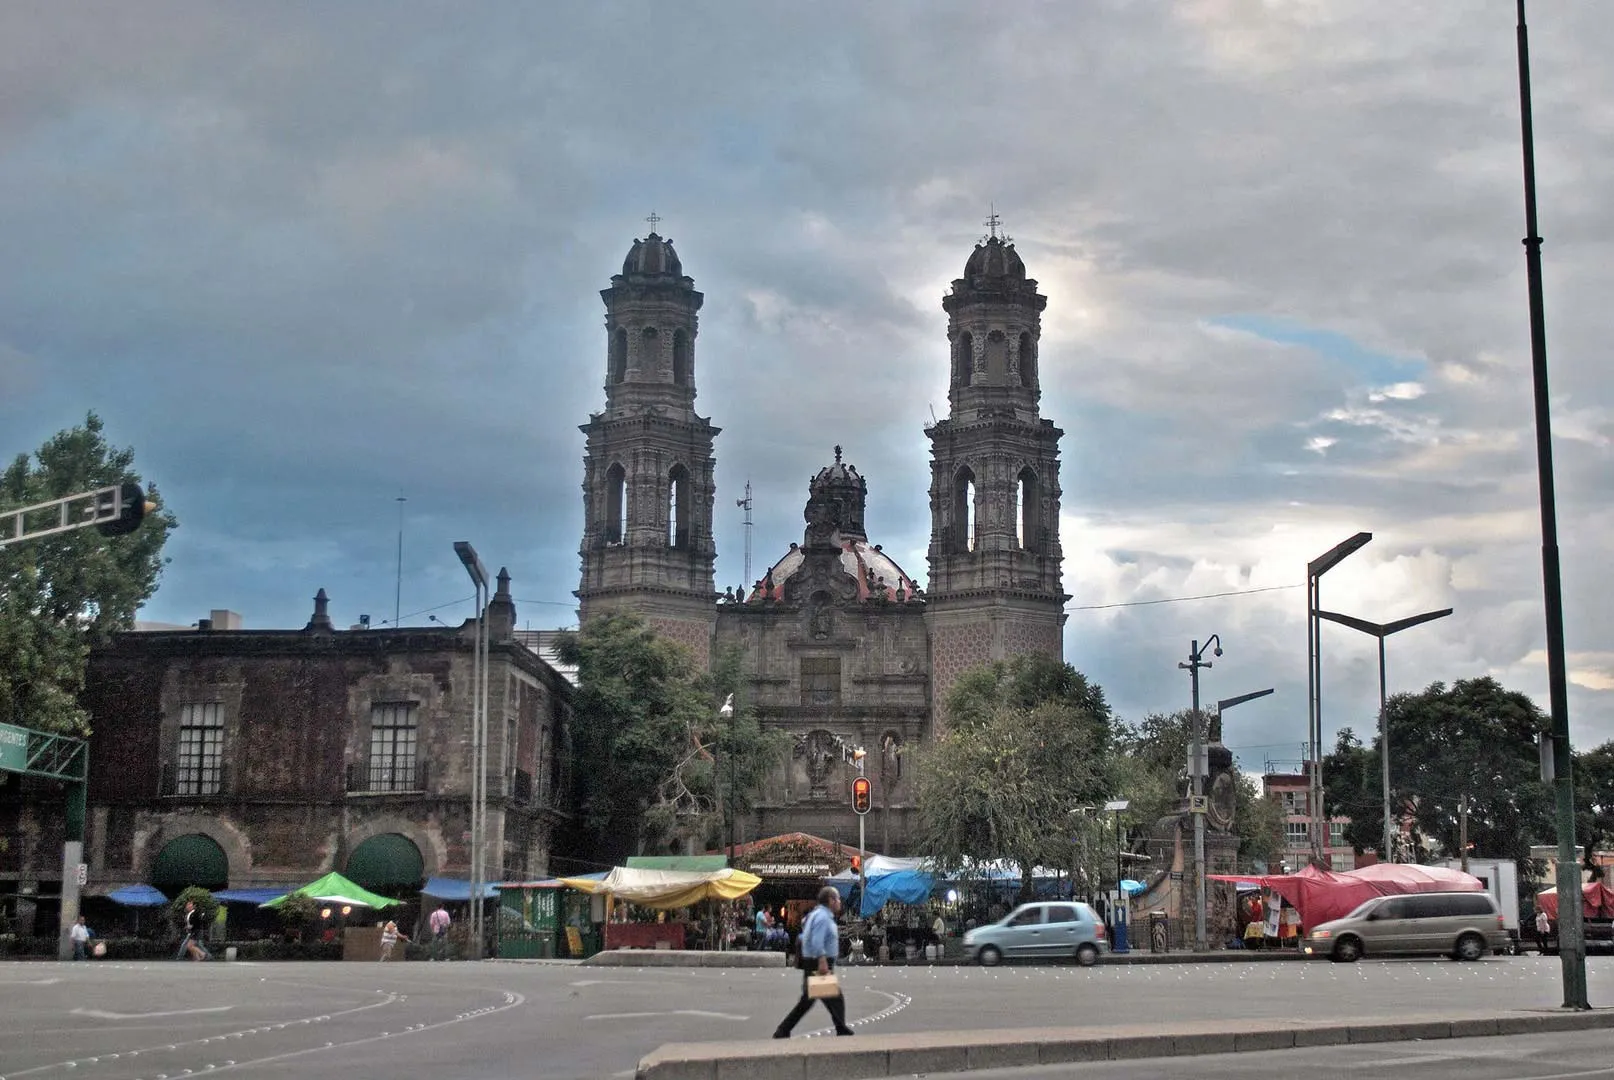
column 840, row 646
column 230, row 757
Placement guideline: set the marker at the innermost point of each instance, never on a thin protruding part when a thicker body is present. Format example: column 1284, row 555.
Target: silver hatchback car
column 1057, row 929
column 1462, row 925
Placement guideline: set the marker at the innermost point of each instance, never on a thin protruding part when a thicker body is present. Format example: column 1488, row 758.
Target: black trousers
column 836, row 1005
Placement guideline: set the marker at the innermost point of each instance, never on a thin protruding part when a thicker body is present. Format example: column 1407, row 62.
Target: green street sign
column 13, row 748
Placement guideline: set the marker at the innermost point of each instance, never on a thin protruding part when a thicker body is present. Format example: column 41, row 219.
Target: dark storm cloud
column 308, row 257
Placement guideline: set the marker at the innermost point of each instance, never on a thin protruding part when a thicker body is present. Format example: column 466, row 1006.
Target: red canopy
column 1597, row 901
column 1322, row 895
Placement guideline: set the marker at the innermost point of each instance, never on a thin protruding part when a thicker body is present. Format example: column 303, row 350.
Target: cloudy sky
column 308, row 257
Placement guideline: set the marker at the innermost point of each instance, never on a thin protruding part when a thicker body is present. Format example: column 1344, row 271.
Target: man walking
column 439, row 924
column 192, row 945
column 819, row 945
column 80, row 933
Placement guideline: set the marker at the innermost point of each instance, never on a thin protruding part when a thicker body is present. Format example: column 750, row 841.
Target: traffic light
column 132, row 509
column 860, row 795
column 857, row 864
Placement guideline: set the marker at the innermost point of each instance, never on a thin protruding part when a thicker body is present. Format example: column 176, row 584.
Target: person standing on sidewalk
column 80, row 933
column 819, row 946
column 439, row 923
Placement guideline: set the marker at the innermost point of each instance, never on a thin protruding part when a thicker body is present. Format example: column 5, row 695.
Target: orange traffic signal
column 861, row 792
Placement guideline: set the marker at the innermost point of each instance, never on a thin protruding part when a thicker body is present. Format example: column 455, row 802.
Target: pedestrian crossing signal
column 860, row 795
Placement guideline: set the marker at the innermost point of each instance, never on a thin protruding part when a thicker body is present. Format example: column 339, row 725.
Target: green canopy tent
column 333, row 888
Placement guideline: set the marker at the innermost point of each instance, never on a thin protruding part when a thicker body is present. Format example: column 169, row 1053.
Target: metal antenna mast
column 745, row 503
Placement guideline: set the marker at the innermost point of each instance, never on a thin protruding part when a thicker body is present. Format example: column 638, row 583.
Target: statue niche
column 818, row 751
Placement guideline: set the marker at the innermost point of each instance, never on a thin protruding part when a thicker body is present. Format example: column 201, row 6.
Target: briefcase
column 823, row 986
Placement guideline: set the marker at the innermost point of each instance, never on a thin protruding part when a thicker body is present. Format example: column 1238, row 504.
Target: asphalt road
column 1576, row 1055
column 158, row 1021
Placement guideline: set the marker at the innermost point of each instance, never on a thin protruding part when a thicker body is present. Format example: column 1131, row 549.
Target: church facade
column 840, row 646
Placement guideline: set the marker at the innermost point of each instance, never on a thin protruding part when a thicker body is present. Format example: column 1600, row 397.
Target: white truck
column 1501, row 878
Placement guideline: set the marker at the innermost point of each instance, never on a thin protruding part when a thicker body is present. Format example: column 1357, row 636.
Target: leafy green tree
column 658, row 752
column 1473, row 745
column 1024, row 747
column 206, row 904
column 1151, row 771
column 1594, row 802
column 61, row 594
column 1352, row 786
column 297, row 912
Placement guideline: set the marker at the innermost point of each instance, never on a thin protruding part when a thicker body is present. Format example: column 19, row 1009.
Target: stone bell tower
column 647, row 469
column 994, row 554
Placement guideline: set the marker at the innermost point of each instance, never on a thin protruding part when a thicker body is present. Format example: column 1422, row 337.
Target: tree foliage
column 61, row 594
column 1472, row 743
column 1594, row 802
column 1025, row 745
column 1151, row 772
column 646, row 723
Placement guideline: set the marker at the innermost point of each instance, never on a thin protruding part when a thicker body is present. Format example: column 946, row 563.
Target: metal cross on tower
column 654, row 220
column 993, row 220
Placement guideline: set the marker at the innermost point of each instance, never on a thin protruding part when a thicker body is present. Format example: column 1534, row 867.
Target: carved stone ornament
column 819, row 751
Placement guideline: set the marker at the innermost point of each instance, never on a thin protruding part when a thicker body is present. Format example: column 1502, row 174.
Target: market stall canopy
column 137, row 896
column 447, row 888
column 700, row 864
column 333, row 888
column 249, row 896
column 666, row 889
column 1597, row 901
column 903, row 886
column 1323, row 895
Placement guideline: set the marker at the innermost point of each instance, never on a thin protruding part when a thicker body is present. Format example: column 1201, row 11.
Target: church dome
column 652, row 256
column 877, row 574
column 994, row 257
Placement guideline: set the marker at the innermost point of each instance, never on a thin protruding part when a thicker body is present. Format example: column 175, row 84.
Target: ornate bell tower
column 994, row 479
column 647, row 470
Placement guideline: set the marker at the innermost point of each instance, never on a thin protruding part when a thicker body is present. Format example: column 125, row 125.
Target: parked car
column 1059, row 929
column 1462, row 925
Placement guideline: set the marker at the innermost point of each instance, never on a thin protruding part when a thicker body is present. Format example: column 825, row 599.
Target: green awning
column 192, row 859
column 386, row 861
column 336, row 889
column 701, row 864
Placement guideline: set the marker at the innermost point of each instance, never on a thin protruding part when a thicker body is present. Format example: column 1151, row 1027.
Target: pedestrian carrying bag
column 823, row 986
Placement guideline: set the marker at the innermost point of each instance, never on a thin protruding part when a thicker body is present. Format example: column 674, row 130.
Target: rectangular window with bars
column 820, row 680
column 392, row 748
column 200, row 768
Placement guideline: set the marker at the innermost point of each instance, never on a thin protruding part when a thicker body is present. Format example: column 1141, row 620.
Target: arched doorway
column 192, row 859
column 389, row 864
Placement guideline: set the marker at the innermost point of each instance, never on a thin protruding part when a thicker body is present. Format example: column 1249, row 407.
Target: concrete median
column 913, row 1053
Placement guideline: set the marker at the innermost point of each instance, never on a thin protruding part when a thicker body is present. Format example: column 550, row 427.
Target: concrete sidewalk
column 959, row 1051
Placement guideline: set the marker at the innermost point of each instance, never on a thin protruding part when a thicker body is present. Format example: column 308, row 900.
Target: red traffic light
column 861, row 793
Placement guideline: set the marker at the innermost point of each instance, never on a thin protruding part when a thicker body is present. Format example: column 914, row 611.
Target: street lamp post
column 1382, row 631
column 1117, row 916
column 479, row 716
column 1314, row 678
column 1196, row 801
column 726, row 711
column 1571, row 928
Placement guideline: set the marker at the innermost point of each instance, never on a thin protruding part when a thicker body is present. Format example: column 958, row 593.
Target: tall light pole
column 1314, row 678
column 1571, row 928
column 726, row 712
column 1118, row 918
column 1382, row 631
column 479, row 717
column 1196, row 769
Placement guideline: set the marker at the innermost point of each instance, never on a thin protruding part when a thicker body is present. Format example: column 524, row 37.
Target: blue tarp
column 137, row 896
column 447, row 888
column 248, row 896
column 903, row 886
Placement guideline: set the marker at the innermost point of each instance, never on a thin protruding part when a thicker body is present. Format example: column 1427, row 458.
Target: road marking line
column 671, row 1012
column 102, row 1014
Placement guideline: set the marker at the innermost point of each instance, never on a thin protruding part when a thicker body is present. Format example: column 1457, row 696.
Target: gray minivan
column 1058, row 929
column 1462, row 925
